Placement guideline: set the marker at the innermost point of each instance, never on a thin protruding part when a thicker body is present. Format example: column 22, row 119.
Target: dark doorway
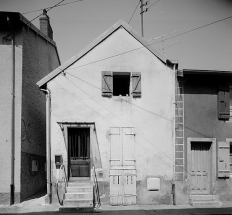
column 79, row 152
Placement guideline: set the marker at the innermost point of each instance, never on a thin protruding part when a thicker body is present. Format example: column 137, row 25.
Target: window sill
column 122, row 98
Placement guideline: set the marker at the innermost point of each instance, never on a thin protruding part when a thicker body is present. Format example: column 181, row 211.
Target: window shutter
column 128, row 147
column 223, row 103
column 107, row 83
column 115, row 147
column 136, row 84
column 223, row 159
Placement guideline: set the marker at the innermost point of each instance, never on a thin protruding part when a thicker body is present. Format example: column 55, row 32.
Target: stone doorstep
column 204, row 200
column 79, row 195
column 79, row 210
column 203, row 197
column 79, row 184
column 78, row 203
column 79, row 189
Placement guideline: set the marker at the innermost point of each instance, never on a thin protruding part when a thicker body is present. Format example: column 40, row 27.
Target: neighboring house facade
column 203, row 137
column 26, row 55
column 112, row 107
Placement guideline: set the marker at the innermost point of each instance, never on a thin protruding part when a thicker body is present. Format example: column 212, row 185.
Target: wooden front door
column 79, row 152
column 122, row 187
column 122, row 167
column 201, row 165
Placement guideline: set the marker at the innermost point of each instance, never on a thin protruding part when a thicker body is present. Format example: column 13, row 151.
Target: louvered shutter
column 223, row 159
column 223, row 103
column 107, row 83
column 136, row 84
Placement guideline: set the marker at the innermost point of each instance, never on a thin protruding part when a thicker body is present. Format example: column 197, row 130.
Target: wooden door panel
column 128, row 147
column 122, row 187
column 115, row 147
column 200, row 167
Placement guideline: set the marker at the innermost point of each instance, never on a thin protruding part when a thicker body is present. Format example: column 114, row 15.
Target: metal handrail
column 97, row 200
column 57, row 183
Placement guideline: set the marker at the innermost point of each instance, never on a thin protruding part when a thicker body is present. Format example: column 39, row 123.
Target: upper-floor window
column 224, row 103
column 121, row 84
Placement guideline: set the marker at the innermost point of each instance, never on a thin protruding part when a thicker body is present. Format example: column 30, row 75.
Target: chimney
column 45, row 26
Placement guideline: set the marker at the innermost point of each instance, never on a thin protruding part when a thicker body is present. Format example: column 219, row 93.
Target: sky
column 77, row 24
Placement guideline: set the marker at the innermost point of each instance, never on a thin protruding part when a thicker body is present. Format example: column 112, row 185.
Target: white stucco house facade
column 112, row 106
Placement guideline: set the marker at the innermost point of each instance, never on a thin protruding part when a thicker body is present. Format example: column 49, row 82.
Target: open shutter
column 223, row 159
column 136, row 84
column 107, row 83
column 223, row 103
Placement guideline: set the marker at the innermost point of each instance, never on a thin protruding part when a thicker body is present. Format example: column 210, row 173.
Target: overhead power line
column 46, row 10
column 51, row 7
column 134, row 12
column 118, row 119
column 149, row 44
column 153, row 4
column 199, row 27
column 32, row 20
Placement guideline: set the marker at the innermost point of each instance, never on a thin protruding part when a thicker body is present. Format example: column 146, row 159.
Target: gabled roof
column 98, row 40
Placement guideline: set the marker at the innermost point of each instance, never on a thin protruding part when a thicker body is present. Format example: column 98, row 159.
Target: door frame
column 213, row 161
column 69, row 149
column 64, row 128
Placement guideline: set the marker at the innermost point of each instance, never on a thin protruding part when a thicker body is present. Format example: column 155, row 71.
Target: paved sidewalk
column 38, row 205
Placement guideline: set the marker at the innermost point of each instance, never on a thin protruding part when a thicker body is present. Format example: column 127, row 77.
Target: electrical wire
column 199, row 27
column 123, row 122
column 50, row 7
column 47, row 10
column 153, row 4
column 149, row 44
column 170, row 46
column 32, row 19
column 134, row 12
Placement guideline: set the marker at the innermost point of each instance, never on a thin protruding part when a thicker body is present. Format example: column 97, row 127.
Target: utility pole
column 141, row 13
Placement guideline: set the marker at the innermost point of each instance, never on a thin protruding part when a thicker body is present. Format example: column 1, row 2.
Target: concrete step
column 79, row 195
column 79, row 179
column 78, row 189
column 204, row 200
column 203, row 197
column 206, row 203
column 69, row 209
column 79, row 184
column 80, row 203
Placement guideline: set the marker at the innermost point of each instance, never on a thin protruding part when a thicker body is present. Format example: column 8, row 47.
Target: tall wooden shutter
column 107, row 83
column 224, row 103
column 115, row 147
column 136, row 84
column 223, row 159
column 128, row 147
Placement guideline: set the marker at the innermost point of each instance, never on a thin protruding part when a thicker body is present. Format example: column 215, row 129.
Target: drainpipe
column 12, row 185
column 48, row 142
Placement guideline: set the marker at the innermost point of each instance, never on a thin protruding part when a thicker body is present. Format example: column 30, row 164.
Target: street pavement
column 37, row 206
